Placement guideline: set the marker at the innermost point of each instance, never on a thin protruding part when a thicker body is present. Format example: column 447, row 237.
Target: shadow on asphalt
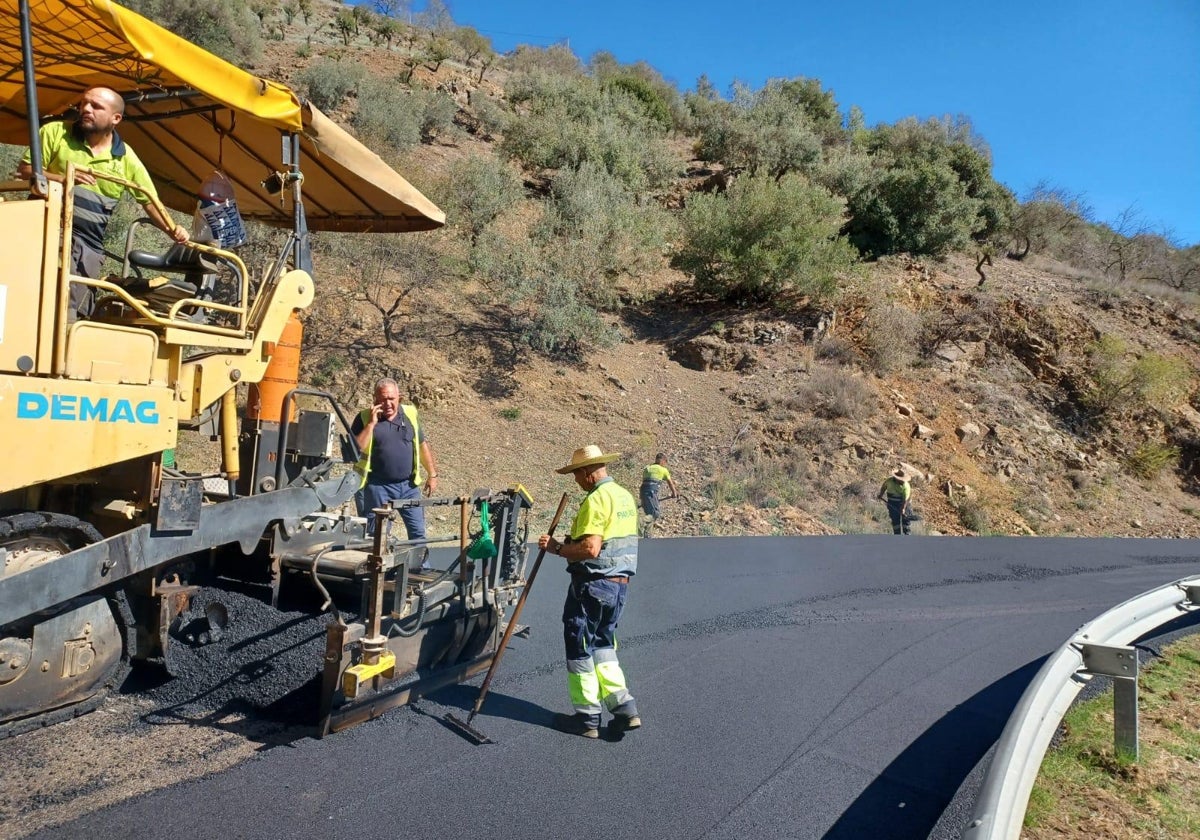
column 907, row 799
column 495, row 705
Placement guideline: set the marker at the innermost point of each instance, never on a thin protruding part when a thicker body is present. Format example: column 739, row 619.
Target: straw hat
column 586, row 457
column 901, row 475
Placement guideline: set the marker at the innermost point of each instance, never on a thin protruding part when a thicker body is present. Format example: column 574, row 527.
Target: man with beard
column 92, row 141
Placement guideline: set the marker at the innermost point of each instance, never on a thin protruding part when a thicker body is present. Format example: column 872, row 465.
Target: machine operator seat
column 149, row 283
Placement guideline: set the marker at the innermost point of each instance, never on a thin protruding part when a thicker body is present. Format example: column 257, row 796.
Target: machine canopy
column 188, row 112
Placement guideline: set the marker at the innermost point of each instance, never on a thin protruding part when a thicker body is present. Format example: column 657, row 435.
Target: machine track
column 58, row 663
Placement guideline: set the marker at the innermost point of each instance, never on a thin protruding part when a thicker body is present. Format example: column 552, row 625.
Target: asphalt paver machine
column 102, row 540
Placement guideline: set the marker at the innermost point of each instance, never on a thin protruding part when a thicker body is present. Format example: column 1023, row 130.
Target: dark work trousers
column 378, row 495
column 896, row 509
column 649, row 494
column 590, row 616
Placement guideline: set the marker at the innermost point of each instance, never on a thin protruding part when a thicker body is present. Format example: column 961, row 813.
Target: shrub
column 594, row 231
column 556, row 59
column 931, row 190
column 763, row 237
column 893, row 339
column 1151, row 458
column 921, row 208
column 648, row 97
column 835, row 349
column 1123, row 385
column 388, row 113
column 771, row 131
column 974, row 517
column 477, row 191
column 327, row 83
column 566, row 121
column 831, row 394
column 533, row 305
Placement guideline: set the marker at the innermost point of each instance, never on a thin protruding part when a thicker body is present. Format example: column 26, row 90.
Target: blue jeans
column 378, row 495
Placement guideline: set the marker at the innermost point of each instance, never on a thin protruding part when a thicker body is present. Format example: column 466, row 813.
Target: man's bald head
column 101, row 109
column 116, row 102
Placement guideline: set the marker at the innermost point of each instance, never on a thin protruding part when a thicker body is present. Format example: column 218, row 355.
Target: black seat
column 162, row 292
column 178, row 259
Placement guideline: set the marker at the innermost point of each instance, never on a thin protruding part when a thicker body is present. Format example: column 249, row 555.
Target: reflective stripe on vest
column 619, row 549
column 363, row 467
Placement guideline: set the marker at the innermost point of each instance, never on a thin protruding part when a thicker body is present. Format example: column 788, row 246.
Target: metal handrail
column 999, row 810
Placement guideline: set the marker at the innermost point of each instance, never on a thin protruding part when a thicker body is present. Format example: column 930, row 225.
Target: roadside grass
column 1085, row 790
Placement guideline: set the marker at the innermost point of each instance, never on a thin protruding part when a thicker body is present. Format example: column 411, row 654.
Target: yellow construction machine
column 102, row 540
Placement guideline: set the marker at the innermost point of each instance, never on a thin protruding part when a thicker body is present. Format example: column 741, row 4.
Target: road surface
column 791, row 687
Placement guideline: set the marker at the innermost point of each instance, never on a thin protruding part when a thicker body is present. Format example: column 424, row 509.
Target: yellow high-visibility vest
column 364, row 464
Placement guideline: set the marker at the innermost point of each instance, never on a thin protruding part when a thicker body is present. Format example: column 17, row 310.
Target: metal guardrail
column 1000, row 807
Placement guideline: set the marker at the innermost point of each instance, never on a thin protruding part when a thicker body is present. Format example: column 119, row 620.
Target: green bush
column 556, row 59
column 476, row 192
column 767, row 132
column 763, row 237
column 327, row 83
column 1122, row 384
column 650, row 98
column 1151, row 458
column 593, row 231
column 922, row 208
column 390, row 114
column 566, row 121
column 930, row 190
column 533, row 305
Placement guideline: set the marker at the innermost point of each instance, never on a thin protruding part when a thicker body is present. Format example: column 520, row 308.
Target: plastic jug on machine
column 217, row 217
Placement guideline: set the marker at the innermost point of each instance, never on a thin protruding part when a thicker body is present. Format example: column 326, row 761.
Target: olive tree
column 765, row 236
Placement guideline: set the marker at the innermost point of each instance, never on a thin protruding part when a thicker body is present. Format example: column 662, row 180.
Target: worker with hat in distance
column 601, row 554
column 897, row 492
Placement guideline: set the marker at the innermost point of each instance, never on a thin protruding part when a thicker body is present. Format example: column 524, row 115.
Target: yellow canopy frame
column 189, row 112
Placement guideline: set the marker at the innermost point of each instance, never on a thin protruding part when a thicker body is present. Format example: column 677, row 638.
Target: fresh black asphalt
column 791, row 687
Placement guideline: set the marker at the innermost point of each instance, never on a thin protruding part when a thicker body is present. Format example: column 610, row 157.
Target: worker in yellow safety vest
column 397, row 461
column 897, row 492
column 601, row 555
column 652, row 479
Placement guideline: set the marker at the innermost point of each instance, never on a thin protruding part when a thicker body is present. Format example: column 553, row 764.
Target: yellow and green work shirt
column 894, row 488
column 610, row 512
column 655, row 472
column 94, row 203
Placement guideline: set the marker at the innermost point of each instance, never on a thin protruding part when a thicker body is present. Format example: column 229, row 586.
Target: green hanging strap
column 483, row 547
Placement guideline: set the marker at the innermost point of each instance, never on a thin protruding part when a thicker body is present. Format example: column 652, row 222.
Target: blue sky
column 1100, row 97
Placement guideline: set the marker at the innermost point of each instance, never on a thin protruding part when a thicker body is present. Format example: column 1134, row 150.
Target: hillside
column 779, row 419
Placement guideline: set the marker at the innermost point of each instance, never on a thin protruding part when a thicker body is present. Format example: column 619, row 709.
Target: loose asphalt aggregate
column 790, row 687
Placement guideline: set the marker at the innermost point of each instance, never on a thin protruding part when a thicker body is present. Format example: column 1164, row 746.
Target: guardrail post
column 1121, row 664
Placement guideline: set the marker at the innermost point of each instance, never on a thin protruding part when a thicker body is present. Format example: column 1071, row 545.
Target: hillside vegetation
column 786, row 299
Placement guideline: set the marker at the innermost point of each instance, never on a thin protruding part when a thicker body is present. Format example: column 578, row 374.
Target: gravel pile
column 265, row 664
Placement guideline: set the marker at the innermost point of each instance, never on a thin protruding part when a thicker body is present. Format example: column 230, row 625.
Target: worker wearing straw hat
column 897, row 492
column 601, row 554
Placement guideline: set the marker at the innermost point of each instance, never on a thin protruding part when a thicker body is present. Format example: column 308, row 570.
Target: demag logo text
column 84, row 409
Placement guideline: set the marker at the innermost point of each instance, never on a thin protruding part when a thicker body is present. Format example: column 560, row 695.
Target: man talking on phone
column 397, row 461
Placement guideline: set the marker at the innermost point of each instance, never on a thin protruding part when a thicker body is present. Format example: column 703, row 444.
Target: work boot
column 577, row 724
column 625, row 717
